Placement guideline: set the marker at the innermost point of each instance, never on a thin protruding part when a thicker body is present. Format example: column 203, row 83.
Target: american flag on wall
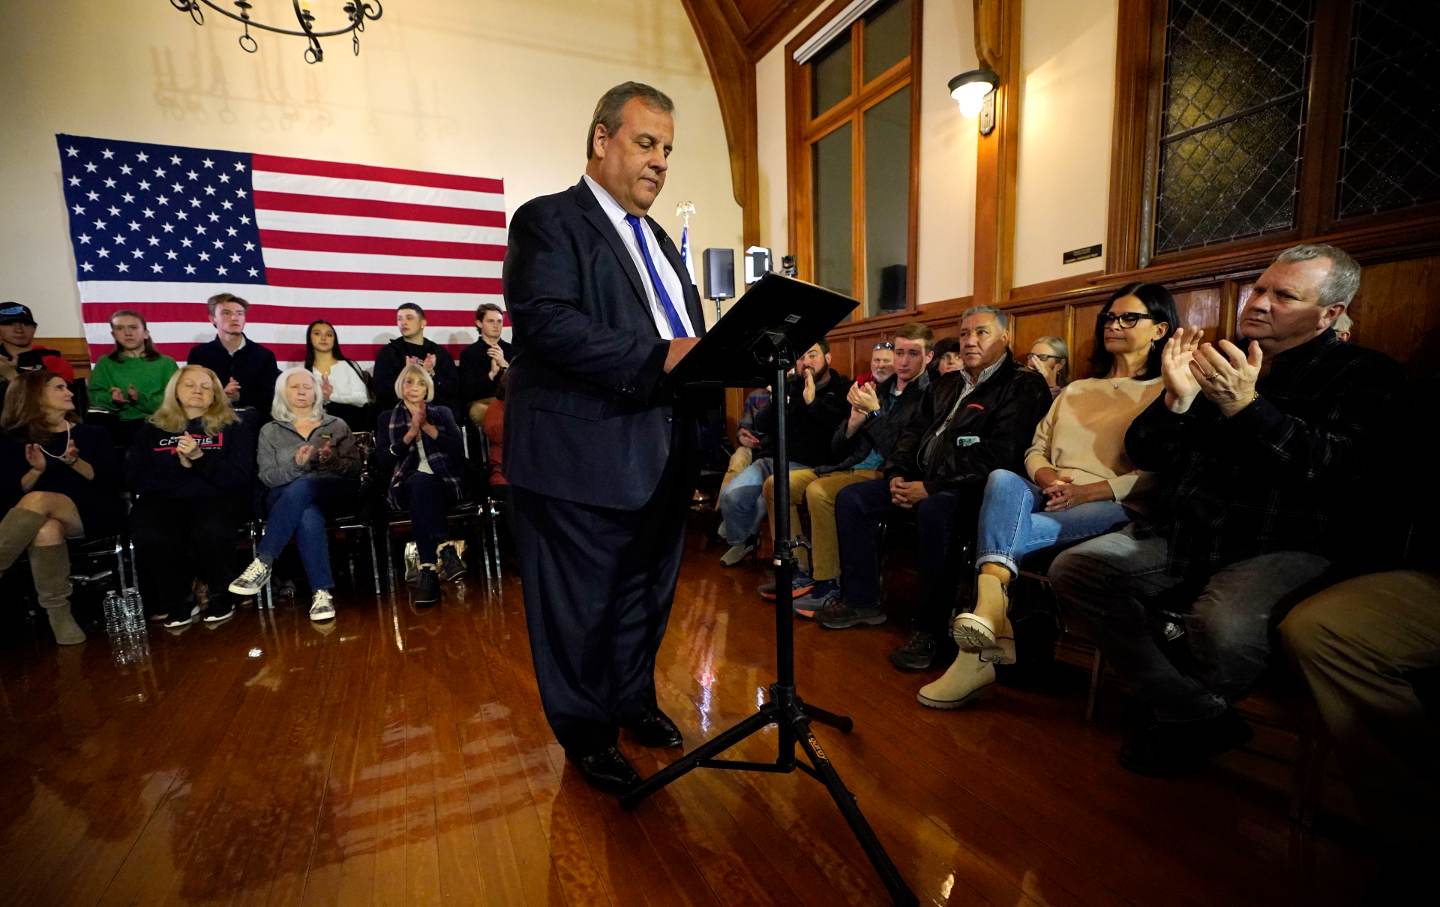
column 161, row 228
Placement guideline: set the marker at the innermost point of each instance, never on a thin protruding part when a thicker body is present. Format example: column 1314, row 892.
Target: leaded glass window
column 1232, row 120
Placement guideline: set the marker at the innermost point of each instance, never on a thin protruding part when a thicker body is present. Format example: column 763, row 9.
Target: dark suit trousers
column 598, row 586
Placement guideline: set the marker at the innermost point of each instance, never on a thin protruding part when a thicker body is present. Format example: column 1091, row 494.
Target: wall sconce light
column 974, row 91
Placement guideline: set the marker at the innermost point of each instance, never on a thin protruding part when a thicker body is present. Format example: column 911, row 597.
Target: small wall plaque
column 1074, row 255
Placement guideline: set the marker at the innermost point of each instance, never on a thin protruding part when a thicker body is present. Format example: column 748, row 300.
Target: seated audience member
column 484, row 362
column 344, row 385
column 57, row 482
column 1051, row 358
column 816, row 397
column 1250, row 446
column 309, row 461
column 1366, row 649
column 246, row 369
column 18, row 352
column 417, row 444
column 412, row 347
column 747, row 441
column 946, row 358
column 882, row 364
column 1080, row 483
column 493, row 425
column 191, row 466
column 970, row 422
column 130, row 380
column 861, row 444
column 1343, row 326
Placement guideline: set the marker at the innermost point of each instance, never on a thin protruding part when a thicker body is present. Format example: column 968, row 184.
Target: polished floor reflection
column 401, row 757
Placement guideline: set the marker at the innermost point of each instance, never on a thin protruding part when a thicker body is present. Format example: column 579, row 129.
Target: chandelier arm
column 193, row 7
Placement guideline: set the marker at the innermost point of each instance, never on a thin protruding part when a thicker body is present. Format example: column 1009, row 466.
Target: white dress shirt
column 673, row 287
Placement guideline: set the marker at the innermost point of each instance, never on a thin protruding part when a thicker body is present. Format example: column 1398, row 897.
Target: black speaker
column 719, row 273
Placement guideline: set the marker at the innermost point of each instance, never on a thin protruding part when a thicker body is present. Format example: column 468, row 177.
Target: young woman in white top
column 344, row 386
column 1081, row 483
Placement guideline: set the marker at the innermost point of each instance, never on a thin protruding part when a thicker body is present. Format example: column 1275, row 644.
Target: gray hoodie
column 280, row 440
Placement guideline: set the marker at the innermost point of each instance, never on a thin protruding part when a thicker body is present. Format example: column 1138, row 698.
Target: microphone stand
column 784, row 708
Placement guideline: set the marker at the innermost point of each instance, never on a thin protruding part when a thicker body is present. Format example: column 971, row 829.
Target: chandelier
column 355, row 11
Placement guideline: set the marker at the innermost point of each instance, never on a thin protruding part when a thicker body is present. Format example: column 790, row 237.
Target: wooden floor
column 402, row 758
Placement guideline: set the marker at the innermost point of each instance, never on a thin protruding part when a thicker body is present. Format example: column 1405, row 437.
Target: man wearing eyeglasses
column 1261, row 447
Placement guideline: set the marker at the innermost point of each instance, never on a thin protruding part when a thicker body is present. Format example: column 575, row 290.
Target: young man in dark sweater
column 413, row 346
column 484, row 362
column 246, row 369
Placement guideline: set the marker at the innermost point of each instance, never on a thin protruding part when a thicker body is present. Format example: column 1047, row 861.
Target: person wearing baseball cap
column 18, row 352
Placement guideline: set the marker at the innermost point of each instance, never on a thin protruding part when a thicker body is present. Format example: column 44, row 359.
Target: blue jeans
column 742, row 504
column 297, row 510
column 1013, row 521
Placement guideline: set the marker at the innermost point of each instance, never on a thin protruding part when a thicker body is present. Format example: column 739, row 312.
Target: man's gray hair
column 280, row 409
column 1002, row 318
column 607, row 109
column 1343, row 281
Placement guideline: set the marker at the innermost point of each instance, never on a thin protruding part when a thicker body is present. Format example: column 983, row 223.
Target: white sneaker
column 967, row 679
column 320, row 606
column 252, row 580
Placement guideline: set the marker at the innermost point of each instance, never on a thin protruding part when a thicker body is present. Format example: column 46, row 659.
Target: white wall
column 504, row 89
column 1066, row 114
column 946, row 255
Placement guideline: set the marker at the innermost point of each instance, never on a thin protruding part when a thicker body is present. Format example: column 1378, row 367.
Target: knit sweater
column 1083, row 434
column 148, row 375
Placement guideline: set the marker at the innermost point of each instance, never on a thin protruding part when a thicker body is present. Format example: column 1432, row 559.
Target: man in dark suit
column 598, row 454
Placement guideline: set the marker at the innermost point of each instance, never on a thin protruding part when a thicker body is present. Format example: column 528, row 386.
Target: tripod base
column 793, row 717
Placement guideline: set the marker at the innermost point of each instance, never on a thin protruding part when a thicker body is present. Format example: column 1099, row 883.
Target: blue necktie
column 677, row 327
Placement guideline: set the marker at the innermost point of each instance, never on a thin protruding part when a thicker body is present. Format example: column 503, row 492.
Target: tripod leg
column 842, row 723
column 900, row 893
column 768, row 715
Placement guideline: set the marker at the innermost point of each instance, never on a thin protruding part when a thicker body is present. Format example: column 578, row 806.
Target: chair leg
column 374, row 560
column 1097, row 676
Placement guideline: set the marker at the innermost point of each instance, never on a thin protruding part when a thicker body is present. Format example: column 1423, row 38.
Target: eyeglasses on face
column 1126, row 319
column 884, row 345
column 1046, row 357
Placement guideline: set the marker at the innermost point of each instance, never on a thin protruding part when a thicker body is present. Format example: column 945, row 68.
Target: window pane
column 887, row 201
column 833, row 252
column 830, row 76
column 1392, row 112
column 887, row 36
column 1235, row 79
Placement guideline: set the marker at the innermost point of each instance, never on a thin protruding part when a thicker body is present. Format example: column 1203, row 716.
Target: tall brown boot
column 17, row 531
column 50, row 567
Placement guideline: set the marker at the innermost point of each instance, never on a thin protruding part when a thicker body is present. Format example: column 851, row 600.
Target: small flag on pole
column 683, row 211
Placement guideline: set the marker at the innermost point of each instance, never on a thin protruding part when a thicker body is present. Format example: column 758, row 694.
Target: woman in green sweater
column 130, row 380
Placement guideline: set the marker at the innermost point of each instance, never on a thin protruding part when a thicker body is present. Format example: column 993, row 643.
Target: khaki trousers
column 818, row 493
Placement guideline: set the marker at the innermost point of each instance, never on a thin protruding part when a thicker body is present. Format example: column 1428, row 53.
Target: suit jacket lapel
column 597, row 218
column 692, row 295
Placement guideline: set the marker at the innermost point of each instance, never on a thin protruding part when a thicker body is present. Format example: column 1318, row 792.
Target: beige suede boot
column 50, row 567
column 17, row 531
column 967, row 679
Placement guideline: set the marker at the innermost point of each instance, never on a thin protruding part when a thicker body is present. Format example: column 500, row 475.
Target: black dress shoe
column 606, row 770
column 654, row 729
column 1164, row 749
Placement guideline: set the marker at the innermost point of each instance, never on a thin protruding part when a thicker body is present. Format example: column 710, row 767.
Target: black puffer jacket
column 881, row 432
column 991, row 430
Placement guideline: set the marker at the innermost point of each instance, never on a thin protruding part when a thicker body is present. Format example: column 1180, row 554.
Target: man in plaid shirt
column 1251, row 446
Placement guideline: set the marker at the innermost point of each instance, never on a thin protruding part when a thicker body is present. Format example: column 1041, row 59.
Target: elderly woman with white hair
column 309, row 462
column 419, row 445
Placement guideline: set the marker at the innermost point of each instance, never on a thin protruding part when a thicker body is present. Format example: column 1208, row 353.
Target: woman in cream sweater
column 1080, row 483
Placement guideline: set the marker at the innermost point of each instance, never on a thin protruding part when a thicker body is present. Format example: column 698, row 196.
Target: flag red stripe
column 181, row 312
column 277, row 164
column 402, row 283
column 365, row 207
column 380, row 245
column 295, row 352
